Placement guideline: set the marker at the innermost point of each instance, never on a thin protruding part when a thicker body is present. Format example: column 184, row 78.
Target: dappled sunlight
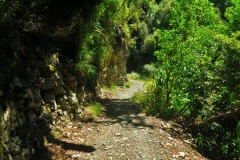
column 123, row 111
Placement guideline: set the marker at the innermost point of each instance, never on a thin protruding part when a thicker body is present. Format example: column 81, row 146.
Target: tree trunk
column 221, row 116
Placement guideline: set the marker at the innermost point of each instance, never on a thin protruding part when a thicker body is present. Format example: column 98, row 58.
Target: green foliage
column 95, row 109
column 97, row 36
column 86, row 58
column 133, row 76
column 195, row 48
column 206, row 141
column 113, row 87
column 220, row 144
column 185, row 58
column 162, row 14
column 110, row 89
column 197, row 69
column 233, row 15
column 138, row 76
column 148, row 70
column 142, row 44
column 238, row 132
column 149, row 45
column 127, row 84
column 143, row 29
column 139, row 97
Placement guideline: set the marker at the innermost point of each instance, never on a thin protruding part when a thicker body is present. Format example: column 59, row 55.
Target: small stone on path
column 124, row 122
column 170, row 138
column 68, row 134
column 125, row 138
column 118, row 134
column 136, row 121
column 76, row 156
column 108, row 147
column 182, row 154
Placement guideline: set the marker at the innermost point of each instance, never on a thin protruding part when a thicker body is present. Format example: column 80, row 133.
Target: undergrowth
column 139, row 97
column 143, row 97
column 113, row 87
column 137, row 76
column 110, row 89
column 127, row 84
column 96, row 109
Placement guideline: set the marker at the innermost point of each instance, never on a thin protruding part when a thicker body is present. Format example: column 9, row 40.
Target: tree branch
column 221, row 116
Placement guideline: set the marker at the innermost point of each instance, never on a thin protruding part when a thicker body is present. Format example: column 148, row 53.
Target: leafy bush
column 149, row 45
column 218, row 142
column 143, row 30
column 134, row 76
column 138, row 76
column 148, row 69
column 196, row 72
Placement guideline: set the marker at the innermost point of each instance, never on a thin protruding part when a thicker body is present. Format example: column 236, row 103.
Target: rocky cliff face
column 43, row 91
column 46, row 91
column 114, row 71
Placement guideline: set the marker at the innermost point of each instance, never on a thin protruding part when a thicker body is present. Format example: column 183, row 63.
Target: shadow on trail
column 39, row 135
column 71, row 146
column 123, row 111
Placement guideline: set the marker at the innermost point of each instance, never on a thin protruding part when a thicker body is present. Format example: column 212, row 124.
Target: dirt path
column 124, row 132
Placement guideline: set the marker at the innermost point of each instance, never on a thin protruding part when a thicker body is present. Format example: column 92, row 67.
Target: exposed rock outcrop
column 114, row 71
column 47, row 92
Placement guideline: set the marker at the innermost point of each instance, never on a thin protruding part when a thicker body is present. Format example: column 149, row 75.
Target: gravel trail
column 124, row 133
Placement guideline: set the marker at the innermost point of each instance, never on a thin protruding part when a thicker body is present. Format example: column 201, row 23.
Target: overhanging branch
column 221, row 116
